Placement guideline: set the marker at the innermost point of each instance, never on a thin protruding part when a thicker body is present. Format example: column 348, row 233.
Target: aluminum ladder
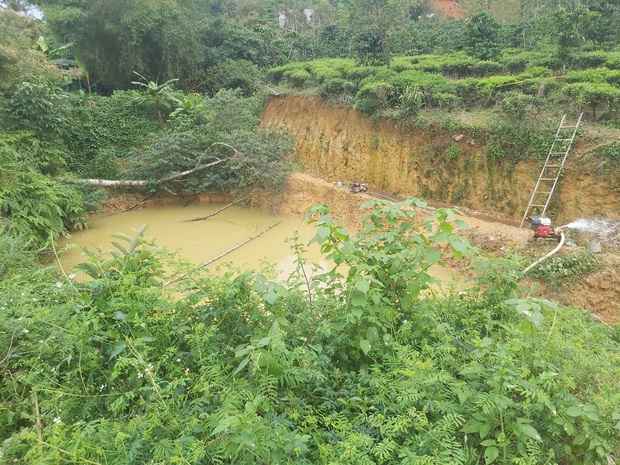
column 552, row 169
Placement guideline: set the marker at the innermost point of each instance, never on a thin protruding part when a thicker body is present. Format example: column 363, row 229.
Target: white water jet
column 597, row 228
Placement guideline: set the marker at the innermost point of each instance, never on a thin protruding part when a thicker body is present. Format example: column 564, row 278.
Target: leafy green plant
column 38, row 207
column 566, row 268
column 236, row 368
column 388, row 262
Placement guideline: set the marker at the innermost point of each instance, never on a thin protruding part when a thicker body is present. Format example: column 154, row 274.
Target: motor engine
column 542, row 229
column 358, row 187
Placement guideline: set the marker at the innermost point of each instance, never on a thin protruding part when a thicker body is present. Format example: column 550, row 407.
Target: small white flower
column 187, row 371
column 34, row 299
column 405, row 322
column 102, row 387
column 462, row 293
column 178, row 360
column 57, row 420
column 140, row 375
column 71, row 276
column 25, row 331
column 528, row 312
column 59, row 284
column 1, row 454
column 40, row 341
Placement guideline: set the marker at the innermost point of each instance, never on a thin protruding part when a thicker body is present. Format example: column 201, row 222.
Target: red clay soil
column 448, row 7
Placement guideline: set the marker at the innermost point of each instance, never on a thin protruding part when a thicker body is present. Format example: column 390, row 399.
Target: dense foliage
column 364, row 363
column 51, row 133
column 367, row 367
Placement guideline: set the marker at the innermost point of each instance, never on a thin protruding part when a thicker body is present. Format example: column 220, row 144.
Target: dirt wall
column 339, row 144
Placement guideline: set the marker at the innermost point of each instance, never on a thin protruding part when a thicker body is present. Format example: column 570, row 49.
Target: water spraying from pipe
column 603, row 230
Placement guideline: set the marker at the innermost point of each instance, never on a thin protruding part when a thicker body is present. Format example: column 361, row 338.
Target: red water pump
column 542, row 229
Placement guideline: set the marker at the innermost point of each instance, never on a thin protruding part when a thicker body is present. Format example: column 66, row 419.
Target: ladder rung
column 543, row 192
column 548, row 179
column 532, row 205
column 552, row 166
column 565, row 127
column 563, row 140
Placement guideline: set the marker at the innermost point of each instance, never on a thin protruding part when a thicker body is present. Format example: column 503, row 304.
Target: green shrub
column 566, row 268
column 589, row 75
column 483, row 91
column 112, row 124
column 337, row 89
column 519, row 106
column 593, row 95
column 16, row 253
column 298, row 77
column 535, row 71
column 613, row 60
column 375, row 97
column 230, row 74
column 39, row 208
column 357, row 365
column 593, row 59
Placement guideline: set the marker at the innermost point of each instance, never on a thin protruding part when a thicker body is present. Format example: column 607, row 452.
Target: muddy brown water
column 201, row 241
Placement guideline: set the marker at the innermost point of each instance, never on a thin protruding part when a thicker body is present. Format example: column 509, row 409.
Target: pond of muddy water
column 201, row 241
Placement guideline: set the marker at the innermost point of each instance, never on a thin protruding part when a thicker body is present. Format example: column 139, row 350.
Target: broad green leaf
column 362, row 286
column 490, row 454
column 365, row 346
column 118, row 349
column 358, row 299
column 530, row 431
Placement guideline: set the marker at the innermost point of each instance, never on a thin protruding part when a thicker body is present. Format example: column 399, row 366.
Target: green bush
column 39, row 208
column 566, row 268
column 298, row 77
column 593, row 95
column 593, row 59
column 374, row 98
column 483, row 91
column 231, row 74
column 519, row 106
column 16, row 253
column 613, row 60
column 111, row 125
column 337, row 89
column 535, row 71
column 359, row 365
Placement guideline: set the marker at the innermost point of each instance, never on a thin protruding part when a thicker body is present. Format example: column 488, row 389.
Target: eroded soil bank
column 340, row 144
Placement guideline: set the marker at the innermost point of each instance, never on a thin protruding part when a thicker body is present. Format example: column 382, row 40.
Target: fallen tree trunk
column 223, row 254
column 126, row 182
